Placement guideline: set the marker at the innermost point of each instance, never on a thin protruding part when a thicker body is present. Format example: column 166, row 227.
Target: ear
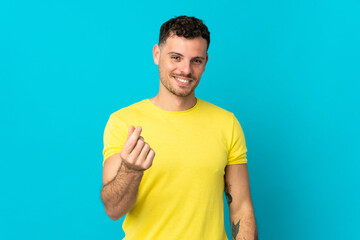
column 207, row 58
column 156, row 54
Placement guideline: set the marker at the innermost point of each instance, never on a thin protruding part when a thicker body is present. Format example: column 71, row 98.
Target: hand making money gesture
column 136, row 153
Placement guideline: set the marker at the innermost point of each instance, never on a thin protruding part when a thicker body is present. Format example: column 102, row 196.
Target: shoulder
column 224, row 119
column 214, row 111
column 131, row 110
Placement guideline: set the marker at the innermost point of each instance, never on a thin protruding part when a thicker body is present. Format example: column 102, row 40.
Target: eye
column 198, row 61
column 176, row 58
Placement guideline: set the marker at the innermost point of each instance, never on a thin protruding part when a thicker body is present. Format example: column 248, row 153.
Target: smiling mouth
column 182, row 79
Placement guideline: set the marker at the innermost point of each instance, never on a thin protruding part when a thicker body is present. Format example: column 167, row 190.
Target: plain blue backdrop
column 288, row 69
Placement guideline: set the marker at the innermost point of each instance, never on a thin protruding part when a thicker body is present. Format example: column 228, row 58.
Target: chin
column 183, row 94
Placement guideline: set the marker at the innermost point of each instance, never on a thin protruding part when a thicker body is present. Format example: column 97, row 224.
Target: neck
column 174, row 103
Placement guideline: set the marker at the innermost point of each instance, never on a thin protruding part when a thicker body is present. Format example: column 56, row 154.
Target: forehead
column 195, row 46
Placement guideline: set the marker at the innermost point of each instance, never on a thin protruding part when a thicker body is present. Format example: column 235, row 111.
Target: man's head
column 181, row 55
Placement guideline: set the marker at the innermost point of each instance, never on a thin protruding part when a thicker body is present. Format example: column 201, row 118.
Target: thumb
column 131, row 130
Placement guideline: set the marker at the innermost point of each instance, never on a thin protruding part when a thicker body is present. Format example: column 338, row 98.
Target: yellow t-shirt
column 181, row 195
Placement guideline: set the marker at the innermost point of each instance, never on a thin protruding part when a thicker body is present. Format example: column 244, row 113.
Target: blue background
column 289, row 70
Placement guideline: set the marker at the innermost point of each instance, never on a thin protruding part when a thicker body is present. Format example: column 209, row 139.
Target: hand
column 136, row 153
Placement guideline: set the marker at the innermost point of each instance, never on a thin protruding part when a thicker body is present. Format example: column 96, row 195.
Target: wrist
column 127, row 168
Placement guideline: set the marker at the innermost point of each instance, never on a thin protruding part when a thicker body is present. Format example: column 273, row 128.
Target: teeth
column 182, row 80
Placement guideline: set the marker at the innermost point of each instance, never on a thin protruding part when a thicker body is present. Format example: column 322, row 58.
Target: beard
column 166, row 81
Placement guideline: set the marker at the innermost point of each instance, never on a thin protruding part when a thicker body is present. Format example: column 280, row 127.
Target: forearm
column 243, row 225
column 120, row 194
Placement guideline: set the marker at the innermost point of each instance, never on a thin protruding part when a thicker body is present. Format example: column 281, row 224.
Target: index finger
column 130, row 131
column 132, row 139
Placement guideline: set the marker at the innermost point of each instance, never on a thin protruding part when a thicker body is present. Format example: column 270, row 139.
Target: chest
column 187, row 149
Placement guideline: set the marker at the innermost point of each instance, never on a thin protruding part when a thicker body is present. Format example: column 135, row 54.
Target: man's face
column 181, row 63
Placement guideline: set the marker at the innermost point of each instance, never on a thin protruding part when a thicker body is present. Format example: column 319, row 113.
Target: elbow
column 114, row 218
column 114, row 212
column 114, row 215
column 241, row 209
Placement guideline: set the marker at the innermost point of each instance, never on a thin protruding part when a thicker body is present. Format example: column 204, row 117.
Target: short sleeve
column 237, row 152
column 115, row 135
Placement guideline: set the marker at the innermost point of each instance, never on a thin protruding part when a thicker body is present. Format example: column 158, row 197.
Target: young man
column 200, row 150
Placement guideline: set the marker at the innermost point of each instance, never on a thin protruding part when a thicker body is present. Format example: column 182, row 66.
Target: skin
column 182, row 58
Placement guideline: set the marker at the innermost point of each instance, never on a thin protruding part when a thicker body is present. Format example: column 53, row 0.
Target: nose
column 186, row 68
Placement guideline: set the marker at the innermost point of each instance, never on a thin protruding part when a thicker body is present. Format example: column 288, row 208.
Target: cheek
column 170, row 67
column 199, row 71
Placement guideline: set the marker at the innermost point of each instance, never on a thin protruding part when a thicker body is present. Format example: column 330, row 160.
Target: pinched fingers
column 132, row 139
column 136, row 153
column 144, row 157
column 149, row 159
column 144, row 152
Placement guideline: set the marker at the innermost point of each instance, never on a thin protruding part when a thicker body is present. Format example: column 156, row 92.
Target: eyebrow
column 183, row 55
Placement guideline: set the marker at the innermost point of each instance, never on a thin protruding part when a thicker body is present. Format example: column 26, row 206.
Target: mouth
column 183, row 81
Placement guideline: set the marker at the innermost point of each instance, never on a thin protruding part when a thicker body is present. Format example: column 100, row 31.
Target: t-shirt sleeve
column 115, row 135
column 237, row 151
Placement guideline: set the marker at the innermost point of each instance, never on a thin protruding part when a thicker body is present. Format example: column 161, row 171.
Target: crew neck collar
column 196, row 106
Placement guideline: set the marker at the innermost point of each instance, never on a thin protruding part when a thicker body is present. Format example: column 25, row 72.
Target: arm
column 120, row 187
column 237, row 190
column 122, row 174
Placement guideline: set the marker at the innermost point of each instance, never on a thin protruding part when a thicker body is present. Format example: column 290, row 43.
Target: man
column 200, row 150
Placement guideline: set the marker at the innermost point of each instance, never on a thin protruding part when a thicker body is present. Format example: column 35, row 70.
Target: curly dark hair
column 184, row 26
